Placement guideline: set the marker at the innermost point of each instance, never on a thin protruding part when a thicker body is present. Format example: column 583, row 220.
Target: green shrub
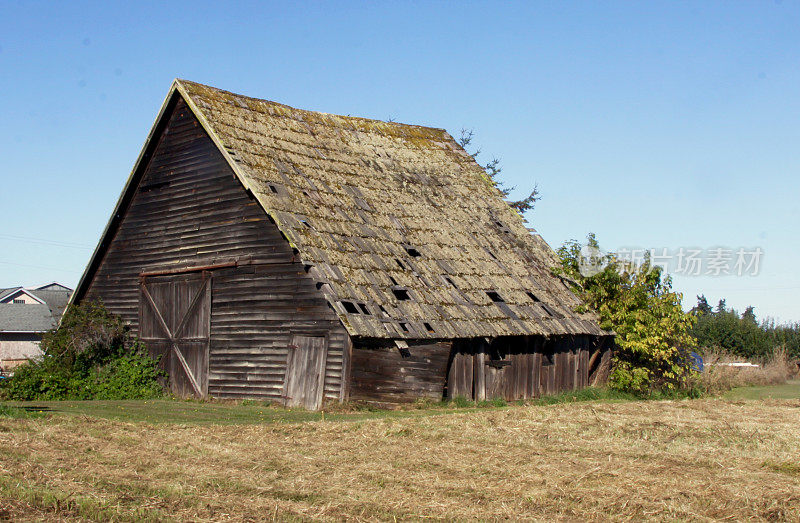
column 90, row 356
column 653, row 344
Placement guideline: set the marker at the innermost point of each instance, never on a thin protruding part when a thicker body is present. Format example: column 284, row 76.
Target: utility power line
column 40, row 267
column 41, row 241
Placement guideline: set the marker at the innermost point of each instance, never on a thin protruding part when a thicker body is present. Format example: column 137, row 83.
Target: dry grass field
column 661, row 460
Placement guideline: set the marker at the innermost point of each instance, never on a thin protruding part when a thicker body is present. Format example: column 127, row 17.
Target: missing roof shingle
column 414, row 253
column 404, row 326
column 495, row 297
column 394, row 282
column 401, row 294
column 350, row 307
column 364, row 309
column 450, row 281
column 400, row 264
column 548, row 310
column 383, row 310
column 533, row 296
column 428, row 327
column 273, row 189
column 305, row 222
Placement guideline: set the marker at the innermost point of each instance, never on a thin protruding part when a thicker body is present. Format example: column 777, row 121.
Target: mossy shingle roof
column 382, row 211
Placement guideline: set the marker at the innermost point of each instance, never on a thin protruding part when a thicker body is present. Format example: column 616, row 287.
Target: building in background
column 24, row 315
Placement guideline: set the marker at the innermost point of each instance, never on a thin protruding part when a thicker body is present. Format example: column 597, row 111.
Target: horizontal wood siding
column 383, row 374
column 188, row 211
column 255, row 312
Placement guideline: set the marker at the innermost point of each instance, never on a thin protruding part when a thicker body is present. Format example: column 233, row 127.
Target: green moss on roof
column 367, row 191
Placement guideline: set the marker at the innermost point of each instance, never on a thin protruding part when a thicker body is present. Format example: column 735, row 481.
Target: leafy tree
column 493, row 170
column 653, row 334
column 91, row 355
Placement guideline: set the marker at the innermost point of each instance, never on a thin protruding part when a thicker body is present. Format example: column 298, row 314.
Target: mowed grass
column 664, row 460
column 243, row 412
column 788, row 390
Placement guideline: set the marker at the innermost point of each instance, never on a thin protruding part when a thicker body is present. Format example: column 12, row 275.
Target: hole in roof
column 364, row 309
column 428, row 327
column 273, row 189
column 404, row 352
column 533, row 296
column 307, row 267
column 414, row 253
column 305, row 222
column 494, row 297
column 400, row 264
column 394, row 282
column 305, row 193
column 450, row 282
column 548, row 310
column 350, row 307
column 383, row 310
column 404, row 326
column 401, row 294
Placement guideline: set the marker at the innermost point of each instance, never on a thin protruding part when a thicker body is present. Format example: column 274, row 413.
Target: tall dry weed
column 717, row 377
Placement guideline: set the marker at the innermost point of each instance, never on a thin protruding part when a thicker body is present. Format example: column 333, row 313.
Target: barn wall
column 189, row 210
column 521, row 367
column 384, row 374
column 512, row 368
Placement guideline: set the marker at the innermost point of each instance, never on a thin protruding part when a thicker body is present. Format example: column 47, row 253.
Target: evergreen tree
column 493, row 170
column 702, row 306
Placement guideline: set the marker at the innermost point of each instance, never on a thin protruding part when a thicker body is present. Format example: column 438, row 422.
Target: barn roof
column 403, row 231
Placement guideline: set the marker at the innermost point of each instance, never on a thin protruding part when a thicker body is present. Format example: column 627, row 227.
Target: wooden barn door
column 175, row 324
column 305, row 371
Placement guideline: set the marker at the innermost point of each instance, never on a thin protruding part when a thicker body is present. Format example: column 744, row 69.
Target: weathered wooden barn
column 269, row 252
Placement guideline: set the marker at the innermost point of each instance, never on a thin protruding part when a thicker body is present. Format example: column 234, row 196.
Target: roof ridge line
column 286, row 106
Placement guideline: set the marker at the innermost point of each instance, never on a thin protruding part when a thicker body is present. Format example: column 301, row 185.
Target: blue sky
column 651, row 124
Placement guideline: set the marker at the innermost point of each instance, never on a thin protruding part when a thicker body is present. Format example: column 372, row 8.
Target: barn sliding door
column 175, row 324
column 305, row 372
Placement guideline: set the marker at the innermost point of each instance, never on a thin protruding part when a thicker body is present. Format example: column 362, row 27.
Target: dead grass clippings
column 666, row 460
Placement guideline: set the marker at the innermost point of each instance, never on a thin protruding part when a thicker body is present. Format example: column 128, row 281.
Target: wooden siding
column 512, row 368
column 387, row 374
column 190, row 211
column 521, row 367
